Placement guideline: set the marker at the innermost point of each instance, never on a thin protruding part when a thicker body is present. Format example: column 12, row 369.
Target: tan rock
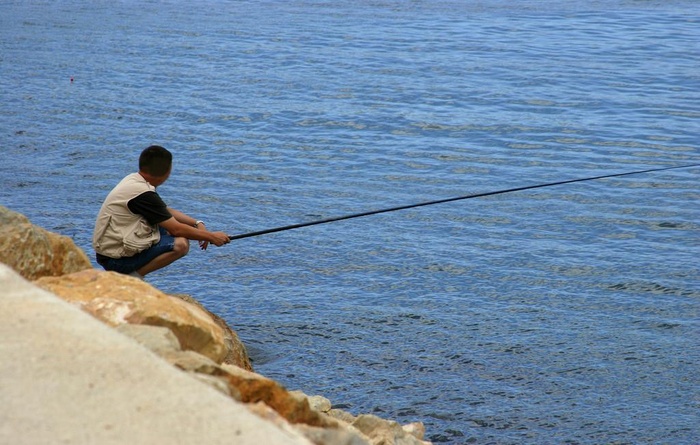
column 415, row 429
column 196, row 341
column 270, row 415
column 66, row 378
column 257, row 388
column 117, row 299
column 384, row 432
column 330, row 436
column 319, row 403
column 236, row 353
column 190, row 361
column 218, row 384
column 158, row 339
column 341, row 415
column 163, row 343
column 34, row 252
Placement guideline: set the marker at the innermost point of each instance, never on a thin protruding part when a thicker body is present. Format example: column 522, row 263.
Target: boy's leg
column 181, row 247
column 167, row 250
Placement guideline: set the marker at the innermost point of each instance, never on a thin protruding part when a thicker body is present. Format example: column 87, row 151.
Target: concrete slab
column 66, row 378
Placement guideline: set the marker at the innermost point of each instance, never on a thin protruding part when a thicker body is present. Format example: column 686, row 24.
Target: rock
column 265, row 412
column 158, row 339
column 175, row 327
column 320, row 404
column 341, row 415
column 415, row 429
column 66, row 378
column 317, row 403
column 34, row 252
column 236, row 353
column 256, row 388
column 203, row 369
column 218, row 384
column 328, row 436
column 163, row 343
column 190, row 361
column 117, row 299
column 240, row 384
column 384, row 432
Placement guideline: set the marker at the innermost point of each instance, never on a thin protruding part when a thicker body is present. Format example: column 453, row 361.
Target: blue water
column 566, row 314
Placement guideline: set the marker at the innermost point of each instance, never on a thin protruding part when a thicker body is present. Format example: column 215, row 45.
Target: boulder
column 273, row 417
column 319, row 403
column 163, row 343
column 236, row 353
column 34, row 252
column 158, row 339
column 415, row 429
column 117, row 299
column 239, row 384
column 385, row 432
column 175, row 327
column 341, row 415
column 66, row 378
column 256, row 388
column 329, row 436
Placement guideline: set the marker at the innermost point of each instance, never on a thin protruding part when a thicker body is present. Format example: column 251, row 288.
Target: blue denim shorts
column 126, row 265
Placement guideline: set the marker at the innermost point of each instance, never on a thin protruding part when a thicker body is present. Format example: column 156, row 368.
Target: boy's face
column 155, row 181
column 158, row 180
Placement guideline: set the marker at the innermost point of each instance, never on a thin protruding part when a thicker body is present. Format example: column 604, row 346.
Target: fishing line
column 441, row 201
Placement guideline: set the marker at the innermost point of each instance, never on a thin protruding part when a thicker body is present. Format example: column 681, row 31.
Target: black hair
column 155, row 160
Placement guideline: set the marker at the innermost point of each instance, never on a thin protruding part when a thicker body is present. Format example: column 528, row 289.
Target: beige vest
column 118, row 232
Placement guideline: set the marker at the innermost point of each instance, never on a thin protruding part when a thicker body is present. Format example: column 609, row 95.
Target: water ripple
column 559, row 315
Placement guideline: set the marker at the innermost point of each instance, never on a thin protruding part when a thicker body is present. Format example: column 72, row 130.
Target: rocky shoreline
column 177, row 330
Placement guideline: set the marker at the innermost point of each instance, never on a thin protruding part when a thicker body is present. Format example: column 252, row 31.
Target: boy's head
column 155, row 161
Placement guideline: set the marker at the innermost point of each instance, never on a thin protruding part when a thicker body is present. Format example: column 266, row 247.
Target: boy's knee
column 182, row 246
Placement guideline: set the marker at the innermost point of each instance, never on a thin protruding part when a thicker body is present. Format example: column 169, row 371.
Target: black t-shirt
column 150, row 206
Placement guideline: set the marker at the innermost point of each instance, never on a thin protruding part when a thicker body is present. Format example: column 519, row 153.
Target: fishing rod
column 441, row 201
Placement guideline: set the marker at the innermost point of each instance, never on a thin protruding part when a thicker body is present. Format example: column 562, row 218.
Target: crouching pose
column 136, row 232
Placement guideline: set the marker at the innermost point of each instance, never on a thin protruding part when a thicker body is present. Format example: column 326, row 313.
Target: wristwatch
column 199, row 221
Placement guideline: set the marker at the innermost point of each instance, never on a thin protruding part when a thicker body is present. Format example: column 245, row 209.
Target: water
column 566, row 314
